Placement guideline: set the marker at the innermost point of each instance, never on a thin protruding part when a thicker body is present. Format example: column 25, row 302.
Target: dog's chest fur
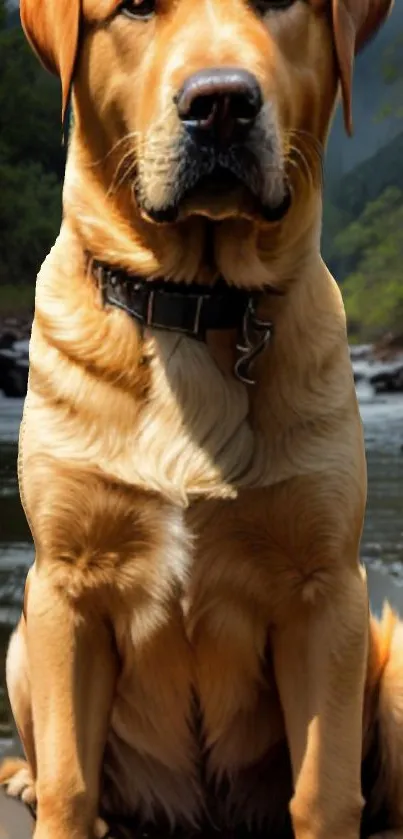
column 195, row 437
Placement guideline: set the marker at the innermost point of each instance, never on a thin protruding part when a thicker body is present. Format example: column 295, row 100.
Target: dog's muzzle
column 227, row 151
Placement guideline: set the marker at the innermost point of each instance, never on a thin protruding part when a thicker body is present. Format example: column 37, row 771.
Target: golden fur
column 195, row 644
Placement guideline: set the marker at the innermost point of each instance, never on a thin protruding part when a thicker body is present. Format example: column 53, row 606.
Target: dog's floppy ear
column 354, row 23
column 52, row 28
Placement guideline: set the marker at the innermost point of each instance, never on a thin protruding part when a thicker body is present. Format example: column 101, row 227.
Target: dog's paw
column 16, row 778
column 18, row 782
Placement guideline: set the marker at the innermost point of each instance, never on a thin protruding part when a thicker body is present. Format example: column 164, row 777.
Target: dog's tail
column 385, row 721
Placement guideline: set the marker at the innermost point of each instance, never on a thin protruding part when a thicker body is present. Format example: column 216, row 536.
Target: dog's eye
column 137, row 8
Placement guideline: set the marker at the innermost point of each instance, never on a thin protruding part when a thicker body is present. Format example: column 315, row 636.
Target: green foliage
column 29, row 106
column 31, row 157
column 29, row 219
column 362, row 241
column 369, row 179
column 373, row 291
column 3, row 15
column 16, row 299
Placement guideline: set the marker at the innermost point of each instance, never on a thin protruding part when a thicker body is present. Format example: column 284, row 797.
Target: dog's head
column 210, row 108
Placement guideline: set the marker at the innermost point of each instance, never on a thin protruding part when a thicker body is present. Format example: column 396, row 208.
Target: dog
column 196, row 646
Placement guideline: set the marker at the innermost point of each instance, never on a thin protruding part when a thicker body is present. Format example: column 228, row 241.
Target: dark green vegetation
column 362, row 239
column 31, row 162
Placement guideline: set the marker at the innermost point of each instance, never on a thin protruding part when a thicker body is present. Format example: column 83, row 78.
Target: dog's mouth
column 223, row 193
column 216, row 183
column 220, row 185
column 215, row 194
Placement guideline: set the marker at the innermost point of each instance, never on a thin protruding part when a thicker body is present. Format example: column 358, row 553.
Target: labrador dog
column 195, row 645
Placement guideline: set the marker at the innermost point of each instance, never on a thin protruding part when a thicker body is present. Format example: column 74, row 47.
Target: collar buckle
column 256, row 334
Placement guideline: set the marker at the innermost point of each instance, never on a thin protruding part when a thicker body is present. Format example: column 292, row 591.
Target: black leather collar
column 191, row 310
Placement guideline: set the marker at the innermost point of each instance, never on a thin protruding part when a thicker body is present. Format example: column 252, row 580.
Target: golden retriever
column 196, row 643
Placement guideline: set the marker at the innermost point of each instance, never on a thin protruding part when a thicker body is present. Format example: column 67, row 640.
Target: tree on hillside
column 346, row 201
column 30, row 216
column 373, row 292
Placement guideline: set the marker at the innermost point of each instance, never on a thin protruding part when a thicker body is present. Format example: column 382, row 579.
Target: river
column 382, row 544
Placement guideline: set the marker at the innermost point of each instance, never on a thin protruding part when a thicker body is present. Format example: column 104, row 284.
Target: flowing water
column 382, row 544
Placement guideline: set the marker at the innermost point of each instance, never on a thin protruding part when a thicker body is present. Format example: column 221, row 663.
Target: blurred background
column 362, row 244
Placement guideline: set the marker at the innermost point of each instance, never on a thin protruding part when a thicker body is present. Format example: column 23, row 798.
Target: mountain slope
column 371, row 93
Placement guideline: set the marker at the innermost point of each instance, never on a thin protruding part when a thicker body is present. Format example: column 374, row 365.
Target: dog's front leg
column 72, row 667
column 320, row 660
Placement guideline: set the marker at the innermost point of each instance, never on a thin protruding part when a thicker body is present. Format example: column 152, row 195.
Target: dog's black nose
column 219, row 103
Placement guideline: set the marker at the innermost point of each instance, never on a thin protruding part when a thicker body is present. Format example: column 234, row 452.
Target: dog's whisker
column 307, row 146
column 298, row 158
column 127, row 138
column 308, row 136
column 116, row 181
column 127, row 175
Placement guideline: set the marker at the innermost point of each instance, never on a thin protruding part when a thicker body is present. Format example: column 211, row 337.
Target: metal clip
column 252, row 344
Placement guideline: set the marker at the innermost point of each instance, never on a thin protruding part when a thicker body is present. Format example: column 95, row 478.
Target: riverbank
column 14, row 329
